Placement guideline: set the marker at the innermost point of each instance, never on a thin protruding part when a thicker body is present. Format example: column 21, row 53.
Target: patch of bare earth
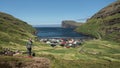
column 39, row 63
column 35, row 62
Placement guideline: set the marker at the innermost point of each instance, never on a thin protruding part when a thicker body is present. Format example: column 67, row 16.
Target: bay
column 57, row 32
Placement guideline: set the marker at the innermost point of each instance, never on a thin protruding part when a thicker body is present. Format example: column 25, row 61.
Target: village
column 63, row 42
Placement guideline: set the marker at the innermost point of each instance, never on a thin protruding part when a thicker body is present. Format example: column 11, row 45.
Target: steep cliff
column 70, row 24
column 105, row 24
column 13, row 29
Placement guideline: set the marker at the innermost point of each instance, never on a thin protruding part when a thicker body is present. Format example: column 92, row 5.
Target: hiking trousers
column 29, row 51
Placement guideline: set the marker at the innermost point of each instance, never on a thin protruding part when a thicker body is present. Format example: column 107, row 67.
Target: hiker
column 29, row 47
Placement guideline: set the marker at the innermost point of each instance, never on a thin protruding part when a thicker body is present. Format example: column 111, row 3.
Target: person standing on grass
column 29, row 47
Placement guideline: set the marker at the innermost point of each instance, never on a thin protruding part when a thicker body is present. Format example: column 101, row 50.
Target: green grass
column 101, row 28
column 92, row 54
column 14, row 30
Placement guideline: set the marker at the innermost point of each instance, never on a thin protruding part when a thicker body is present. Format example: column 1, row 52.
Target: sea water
column 57, row 32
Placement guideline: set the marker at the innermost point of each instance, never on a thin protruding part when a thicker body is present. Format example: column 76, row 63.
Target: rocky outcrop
column 70, row 24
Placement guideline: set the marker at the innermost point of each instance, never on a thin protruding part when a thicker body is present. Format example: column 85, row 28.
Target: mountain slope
column 13, row 29
column 105, row 24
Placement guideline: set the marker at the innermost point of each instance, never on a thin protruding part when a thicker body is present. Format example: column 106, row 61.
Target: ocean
column 57, row 32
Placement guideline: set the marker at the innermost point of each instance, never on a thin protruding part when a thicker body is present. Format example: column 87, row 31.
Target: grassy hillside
column 105, row 24
column 13, row 30
column 92, row 54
